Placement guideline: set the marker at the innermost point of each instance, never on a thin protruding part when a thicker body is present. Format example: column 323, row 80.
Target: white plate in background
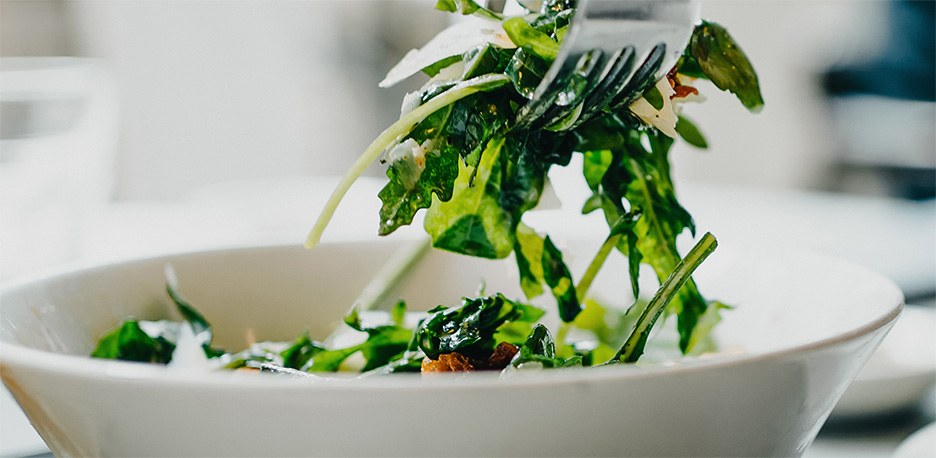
column 920, row 444
column 901, row 371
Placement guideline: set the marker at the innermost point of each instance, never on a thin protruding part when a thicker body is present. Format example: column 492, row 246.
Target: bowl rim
column 79, row 366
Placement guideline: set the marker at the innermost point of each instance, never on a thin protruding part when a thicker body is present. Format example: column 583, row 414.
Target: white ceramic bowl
column 802, row 328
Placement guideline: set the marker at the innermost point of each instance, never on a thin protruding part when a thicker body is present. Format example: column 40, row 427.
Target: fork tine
column 641, row 81
column 588, row 70
column 599, row 27
column 532, row 112
column 614, row 80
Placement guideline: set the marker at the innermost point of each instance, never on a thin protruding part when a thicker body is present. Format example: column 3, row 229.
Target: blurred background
column 129, row 127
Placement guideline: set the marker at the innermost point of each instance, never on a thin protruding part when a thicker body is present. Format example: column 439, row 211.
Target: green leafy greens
column 471, row 153
column 502, row 164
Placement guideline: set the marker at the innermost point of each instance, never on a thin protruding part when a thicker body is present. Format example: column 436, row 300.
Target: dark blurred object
column 884, row 110
column 906, row 66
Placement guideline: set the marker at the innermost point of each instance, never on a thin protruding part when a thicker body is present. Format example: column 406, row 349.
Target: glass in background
column 58, row 133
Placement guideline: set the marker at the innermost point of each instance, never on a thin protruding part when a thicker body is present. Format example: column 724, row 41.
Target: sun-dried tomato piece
column 501, row 356
column 684, row 91
column 457, row 362
column 679, row 89
column 447, row 362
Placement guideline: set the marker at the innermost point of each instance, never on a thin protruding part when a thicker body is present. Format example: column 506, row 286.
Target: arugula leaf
column 189, row 314
column 330, row 360
column 634, row 345
column 609, row 326
column 200, row 327
column 403, row 196
column 723, row 62
column 701, row 339
column 128, row 342
column 390, row 135
column 384, row 344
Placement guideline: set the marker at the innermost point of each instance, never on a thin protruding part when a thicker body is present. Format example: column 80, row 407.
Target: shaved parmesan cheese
column 453, row 41
column 664, row 119
column 188, row 353
column 409, row 158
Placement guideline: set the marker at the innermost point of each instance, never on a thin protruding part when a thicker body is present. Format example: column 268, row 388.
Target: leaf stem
column 581, row 289
column 392, row 134
column 634, row 345
column 400, row 264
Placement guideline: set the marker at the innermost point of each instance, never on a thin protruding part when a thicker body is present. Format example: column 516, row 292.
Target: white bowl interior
column 781, row 298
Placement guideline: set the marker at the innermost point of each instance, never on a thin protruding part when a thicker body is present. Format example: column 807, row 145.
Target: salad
column 466, row 154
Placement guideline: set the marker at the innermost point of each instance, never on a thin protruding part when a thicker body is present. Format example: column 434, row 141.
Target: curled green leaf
column 556, row 274
column 525, row 36
column 690, row 133
column 723, row 62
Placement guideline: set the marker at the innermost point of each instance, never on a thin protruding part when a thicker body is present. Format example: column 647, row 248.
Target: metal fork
column 596, row 65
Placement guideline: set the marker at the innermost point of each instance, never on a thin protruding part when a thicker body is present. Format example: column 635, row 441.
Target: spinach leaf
column 529, row 38
column 654, row 97
column 525, row 71
column 470, row 329
column 466, row 7
column 128, row 342
column 473, row 221
column 690, row 133
column 295, row 356
column 410, row 361
column 723, row 62
column 301, row 351
column 485, row 59
column 540, row 348
column 559, row 279
column 540, row 262
column 434, row 69
column 528, row 251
